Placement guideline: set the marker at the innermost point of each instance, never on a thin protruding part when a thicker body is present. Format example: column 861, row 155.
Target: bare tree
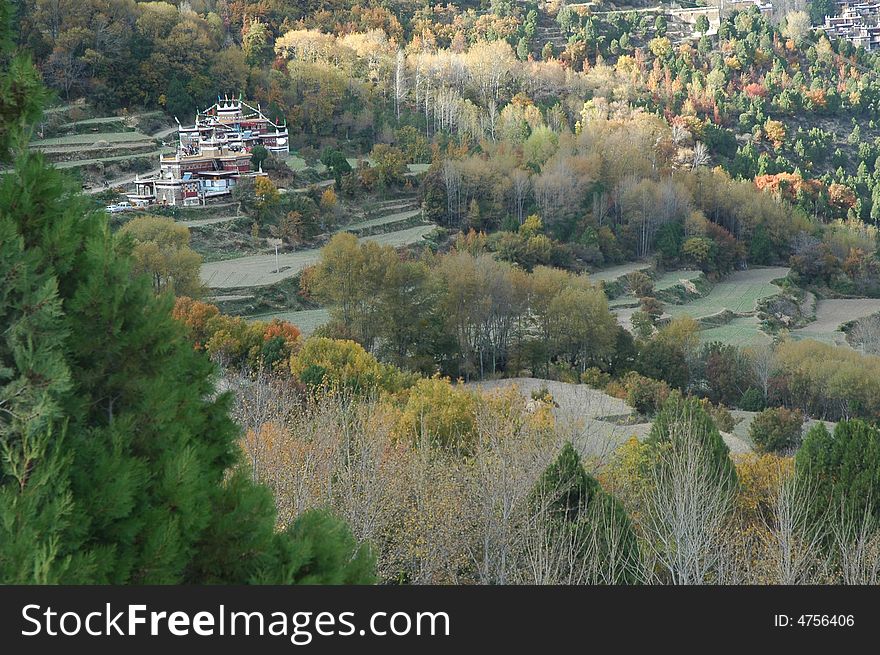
column 762, row 361
column 600, row 208
column 866, row 334
column 592, row 549
column 700, row 156
column 400, row 82
column 795, row 538
column 508, row 459
column 521, row 183
column 679, row 134
column 687, row 509
column 857, row 541
column 65, row 70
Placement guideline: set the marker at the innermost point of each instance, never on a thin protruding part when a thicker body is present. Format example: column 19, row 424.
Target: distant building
column 212, row 155
column 858, row 23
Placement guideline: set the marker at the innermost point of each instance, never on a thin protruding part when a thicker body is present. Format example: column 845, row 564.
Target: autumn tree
column 161, row 251
column 689, row 495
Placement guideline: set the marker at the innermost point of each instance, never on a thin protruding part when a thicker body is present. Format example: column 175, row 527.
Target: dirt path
column 201, row 222
column 261, row 270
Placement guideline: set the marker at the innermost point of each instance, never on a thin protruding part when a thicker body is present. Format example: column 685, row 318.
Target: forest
column 542, row 294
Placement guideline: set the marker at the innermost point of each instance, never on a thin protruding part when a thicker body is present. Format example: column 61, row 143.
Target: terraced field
column 739, row 293
column 307, row 320
column 832, row 314
column 614, row 272
column 388, row 219
column 260, row 270
column 90, row 138
column 297, row 163
column 740, row 331
column 154, row 154
column 673, row 278
column 204, row 222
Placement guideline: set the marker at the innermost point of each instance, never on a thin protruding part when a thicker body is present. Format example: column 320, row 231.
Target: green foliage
column 843, row 469
column 136, row 500
column 116, row 448
column 752, row 400
column 684, row 418
column 576, row 509
column 663, row 360
column 777, row 429
column 259, row 154
column 336, row 162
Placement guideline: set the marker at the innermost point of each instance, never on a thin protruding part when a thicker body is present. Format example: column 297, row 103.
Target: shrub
column 645, row 394
column 777, row 429
column 719, row 413
column 343, row 364
column 639, row 284
column 752, row 400
column 595, row 378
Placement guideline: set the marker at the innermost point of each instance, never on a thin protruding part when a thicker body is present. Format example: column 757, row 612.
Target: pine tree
column 683, row 418
column 119, row 459
column 842, row 469
column 578, row 511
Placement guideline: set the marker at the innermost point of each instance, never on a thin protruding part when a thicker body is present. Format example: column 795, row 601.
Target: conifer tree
column 683, row 418
column 119, row 459
column 578, row 512
column 843, row 469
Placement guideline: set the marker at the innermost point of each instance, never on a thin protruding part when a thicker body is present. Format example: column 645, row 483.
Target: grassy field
column 388, row 219
column 739, row 292
column 672, row 278
column 204, row 222
column 260, row 270
column 612, row 273
column 741, row 331
column 307, row 320
column 832, row 314
column 402, row 237
column 88, row 162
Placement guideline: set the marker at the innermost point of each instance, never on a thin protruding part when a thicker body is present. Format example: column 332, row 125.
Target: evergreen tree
column 119, row 459
column 842, row 469
column 579, row 512
column 22, row 93
column 684, row 417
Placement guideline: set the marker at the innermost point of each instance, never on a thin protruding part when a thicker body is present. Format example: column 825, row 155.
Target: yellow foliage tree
column 341, row 364
column 440, row 413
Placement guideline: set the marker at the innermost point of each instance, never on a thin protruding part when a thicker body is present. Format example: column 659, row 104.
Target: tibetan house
column 211, row 156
